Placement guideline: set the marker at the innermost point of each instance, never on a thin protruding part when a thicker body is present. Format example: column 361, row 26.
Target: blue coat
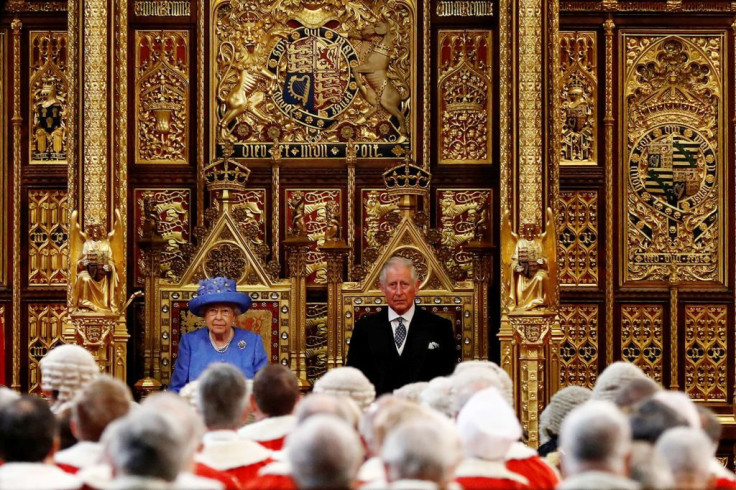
column 196, row 353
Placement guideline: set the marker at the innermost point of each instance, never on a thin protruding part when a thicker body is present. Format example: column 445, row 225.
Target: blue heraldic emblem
column 316, row 67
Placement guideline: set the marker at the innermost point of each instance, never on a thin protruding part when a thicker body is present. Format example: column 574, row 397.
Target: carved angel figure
column 531, row 273
column 96, row 284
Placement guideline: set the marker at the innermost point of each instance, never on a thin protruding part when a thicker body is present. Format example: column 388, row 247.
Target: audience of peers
column 453, row 432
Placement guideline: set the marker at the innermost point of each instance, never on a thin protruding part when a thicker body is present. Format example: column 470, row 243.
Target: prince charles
column 401, row 344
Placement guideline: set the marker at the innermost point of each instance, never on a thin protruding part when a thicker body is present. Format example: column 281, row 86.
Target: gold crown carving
column 468, row 95
column 576, row 83
column 163, row 105
column 407, row 178
column 226, row 173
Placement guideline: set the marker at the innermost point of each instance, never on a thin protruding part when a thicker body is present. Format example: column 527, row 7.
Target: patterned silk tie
column 400, row 334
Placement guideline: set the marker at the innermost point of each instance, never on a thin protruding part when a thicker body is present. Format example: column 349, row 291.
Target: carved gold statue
column 96, row 284
column 577, row 128
column 530, row 284
column 374, row 82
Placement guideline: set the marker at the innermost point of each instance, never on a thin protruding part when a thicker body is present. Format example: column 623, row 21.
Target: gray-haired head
column 323, row 404
column 222, row 396
column 182, row 416
column 144, row 443
column 689, row 453
column 649, row 468
column 397, row 261
column 411, row 392
column 427, row 449
column 595, row 435
column 324, row 452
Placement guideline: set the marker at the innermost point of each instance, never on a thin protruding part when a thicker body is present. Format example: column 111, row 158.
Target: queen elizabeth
column 219, row 303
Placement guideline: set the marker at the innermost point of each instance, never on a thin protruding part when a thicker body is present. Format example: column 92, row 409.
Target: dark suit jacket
column 373, row 351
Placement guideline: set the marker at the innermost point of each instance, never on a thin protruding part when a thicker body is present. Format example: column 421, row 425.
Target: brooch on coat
column 242, row 344
column 433, row 346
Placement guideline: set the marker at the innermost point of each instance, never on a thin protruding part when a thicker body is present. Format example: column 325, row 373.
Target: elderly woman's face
column 219, row 318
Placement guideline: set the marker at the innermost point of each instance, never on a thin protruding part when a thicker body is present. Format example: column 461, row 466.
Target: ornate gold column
column 529, row 158
column 98, row 33
column 297, row 248
column 336, row 252
column 17, row 121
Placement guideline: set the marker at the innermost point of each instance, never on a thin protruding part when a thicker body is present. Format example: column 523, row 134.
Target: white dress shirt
column 393, row 318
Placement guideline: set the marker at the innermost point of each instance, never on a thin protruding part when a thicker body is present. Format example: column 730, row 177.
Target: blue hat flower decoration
column 218, row 290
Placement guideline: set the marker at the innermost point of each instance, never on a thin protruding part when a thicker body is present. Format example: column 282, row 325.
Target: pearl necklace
column 224, row 347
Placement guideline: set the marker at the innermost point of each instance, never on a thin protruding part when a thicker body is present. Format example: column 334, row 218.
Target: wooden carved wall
column 645, row 226
column 318, row 102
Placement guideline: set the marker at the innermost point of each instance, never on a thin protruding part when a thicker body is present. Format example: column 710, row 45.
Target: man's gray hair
column 595, row 433
column 324, row 452
column 397, row 261
column 222, row 396
column 182, row 416
column 428, row 449
column 324, row 404
column 689, row 453
column 144, row 443
column 649, row 468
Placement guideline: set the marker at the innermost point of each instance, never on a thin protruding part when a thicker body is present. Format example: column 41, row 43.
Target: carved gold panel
column 464, row 8
column 172, row 210
column 48, row 237
column 641, row 337
column 249, row 209
column 377, row 207
column 464, row 95
column 578, row 97
column 45, row 321
column 313, row 78
column 162, row 89
column 163, row 8
column 316, row 339
column 579, row 347
column 459, row 213
column 48, row 94
column 307, row 214
column 706, row 352
column 673, row 89
column 577, row 244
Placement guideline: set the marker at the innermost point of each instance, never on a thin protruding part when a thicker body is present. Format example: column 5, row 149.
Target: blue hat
column 218, row 290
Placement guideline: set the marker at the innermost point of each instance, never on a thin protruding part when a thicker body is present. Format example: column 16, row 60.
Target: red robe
column 270, row 432
column 224, row 451
column 473, row 473
column 275, row 476
column 525, row 461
